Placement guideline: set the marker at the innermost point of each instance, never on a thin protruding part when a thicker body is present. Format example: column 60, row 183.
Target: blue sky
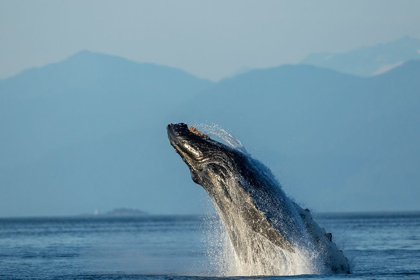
column 211, row 39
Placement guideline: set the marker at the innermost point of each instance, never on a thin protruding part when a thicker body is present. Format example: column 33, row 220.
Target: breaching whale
column 270, row 234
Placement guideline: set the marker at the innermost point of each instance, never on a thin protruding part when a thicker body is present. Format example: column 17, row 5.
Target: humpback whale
column 269, row 232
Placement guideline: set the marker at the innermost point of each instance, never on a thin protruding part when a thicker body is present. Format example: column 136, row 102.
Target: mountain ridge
column 64, row 102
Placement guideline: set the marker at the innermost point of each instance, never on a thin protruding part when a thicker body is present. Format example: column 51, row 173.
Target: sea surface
column 380, row 246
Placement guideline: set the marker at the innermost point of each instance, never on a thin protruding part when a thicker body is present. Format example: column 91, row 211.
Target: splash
column 218, row 132
column 262, row 256
column 219, row 250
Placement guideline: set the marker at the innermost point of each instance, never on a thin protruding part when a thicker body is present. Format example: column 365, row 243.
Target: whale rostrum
column 270, row 234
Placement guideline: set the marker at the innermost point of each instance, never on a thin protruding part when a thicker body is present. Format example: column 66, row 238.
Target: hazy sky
column 211, row 39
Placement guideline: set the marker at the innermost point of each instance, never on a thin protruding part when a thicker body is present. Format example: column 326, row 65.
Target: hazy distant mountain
column 367, row 61
column 336, row 141
column 84, row 98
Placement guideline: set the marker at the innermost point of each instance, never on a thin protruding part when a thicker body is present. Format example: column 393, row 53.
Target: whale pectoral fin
column 259, row 224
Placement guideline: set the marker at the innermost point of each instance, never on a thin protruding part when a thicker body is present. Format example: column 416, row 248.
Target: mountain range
column 89, row 133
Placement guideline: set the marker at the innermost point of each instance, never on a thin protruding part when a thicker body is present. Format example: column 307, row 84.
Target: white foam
column 264, row 258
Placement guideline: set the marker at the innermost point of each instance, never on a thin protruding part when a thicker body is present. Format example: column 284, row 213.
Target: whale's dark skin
column 247, row 197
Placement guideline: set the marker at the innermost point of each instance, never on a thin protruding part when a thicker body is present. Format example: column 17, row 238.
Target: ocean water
column 380, row 246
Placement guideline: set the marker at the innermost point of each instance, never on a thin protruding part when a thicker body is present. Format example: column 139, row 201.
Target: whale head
column 207, row 159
